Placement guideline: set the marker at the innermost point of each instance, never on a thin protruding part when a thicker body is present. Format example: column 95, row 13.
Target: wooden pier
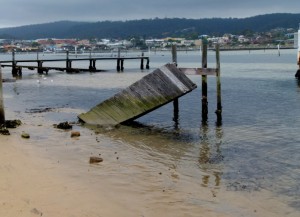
column 156, row 89
column 18, row 65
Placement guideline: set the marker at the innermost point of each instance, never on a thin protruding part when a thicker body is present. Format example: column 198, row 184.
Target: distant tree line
column 153, row 28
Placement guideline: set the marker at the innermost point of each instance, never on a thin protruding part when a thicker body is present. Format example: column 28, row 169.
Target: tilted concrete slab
column 149, row 93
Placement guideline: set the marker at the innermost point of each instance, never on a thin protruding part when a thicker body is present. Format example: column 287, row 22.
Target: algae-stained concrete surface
column 151, row 92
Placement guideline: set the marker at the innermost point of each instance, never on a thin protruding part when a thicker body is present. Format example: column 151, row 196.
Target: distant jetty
column 240, row 48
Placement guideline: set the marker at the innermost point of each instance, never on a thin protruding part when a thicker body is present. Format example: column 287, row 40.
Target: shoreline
column 37, row 186
column 145, row 172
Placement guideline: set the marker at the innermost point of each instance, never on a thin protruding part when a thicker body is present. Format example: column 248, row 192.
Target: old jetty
column 18, row 65
column 151, row 92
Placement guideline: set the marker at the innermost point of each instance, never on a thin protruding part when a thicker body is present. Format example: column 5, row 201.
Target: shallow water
column 256, row 148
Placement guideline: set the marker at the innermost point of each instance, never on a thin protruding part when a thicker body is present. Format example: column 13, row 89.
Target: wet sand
column 33, row 185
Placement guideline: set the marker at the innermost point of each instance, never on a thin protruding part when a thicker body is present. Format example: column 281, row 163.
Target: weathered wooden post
column 204, row 83
column 118, row 64
column 68, row 63
column 119, row 60
column 299, row 47
column 175, row 102
column 14, row 65
column 142, row 61
column 2, row 115
column 218, row 77
column 92, row 66
column 297, row 75
column 147, row 64
column 122, row 64
column 40, row 67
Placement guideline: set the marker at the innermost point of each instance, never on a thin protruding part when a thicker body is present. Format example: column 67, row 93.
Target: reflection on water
column 210, row 157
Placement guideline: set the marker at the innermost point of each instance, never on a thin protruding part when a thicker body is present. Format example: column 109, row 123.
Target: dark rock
column 75, row 134
column 36, row 212
column 94, row 160
column 64, row 126
column 25, row 135
column 4, row 131
column 12, row 123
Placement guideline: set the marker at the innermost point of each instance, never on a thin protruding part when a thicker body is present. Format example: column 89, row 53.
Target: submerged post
column 118, row 64
column 297, row 75
column 175, row 101
column 14, row 65
column 204, row 83
column 218, row 76
column 147, row 64
column 299, row 46
column 40, row 67
column 2, row 115
column 122, row 64
column 142, row 61
column 68, row 63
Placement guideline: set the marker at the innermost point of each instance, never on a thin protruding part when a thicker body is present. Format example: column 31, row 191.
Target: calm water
column 257, row 147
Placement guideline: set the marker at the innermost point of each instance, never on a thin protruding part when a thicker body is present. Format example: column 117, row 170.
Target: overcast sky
column 25, row 12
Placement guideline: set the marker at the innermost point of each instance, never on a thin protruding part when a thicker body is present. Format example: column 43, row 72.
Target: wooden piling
column 175, row 101
column 204, row 84
column 92, row 66
column 14, row 65
column 2, row 114
column 68, row 63
column 142, row 61
column 298, row 59
column 218, row 78
column 147, row 64
column 118, row 64
column 122, row 64
column 40, row 67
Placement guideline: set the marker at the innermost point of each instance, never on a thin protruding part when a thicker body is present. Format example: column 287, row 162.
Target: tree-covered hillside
column 155, row 28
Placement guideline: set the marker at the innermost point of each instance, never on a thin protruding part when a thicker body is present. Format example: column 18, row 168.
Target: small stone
column 94, row 160
column 75, row 134
column 36, row 212
column 25, row 135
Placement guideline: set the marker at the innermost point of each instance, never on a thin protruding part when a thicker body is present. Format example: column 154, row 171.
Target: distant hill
column 179, row 27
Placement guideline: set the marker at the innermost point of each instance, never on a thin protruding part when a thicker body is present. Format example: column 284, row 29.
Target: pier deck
column 18, row 65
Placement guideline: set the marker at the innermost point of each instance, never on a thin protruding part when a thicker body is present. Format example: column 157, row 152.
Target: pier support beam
column 142, row 62
column 218, row 77
column 118, row 64
column 204, row 84
column 175, row 101
column 2, row 115
column 147, row 64
column 122, row 65
column 16, row 70
column 40, row 67
column 92, row 66
column 68, row 63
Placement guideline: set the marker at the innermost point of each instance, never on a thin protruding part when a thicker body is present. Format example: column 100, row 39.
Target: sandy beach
column 153, row 169
column 32, row 185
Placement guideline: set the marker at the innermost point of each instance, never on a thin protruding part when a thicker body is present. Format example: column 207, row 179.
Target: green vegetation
column 154, row 28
